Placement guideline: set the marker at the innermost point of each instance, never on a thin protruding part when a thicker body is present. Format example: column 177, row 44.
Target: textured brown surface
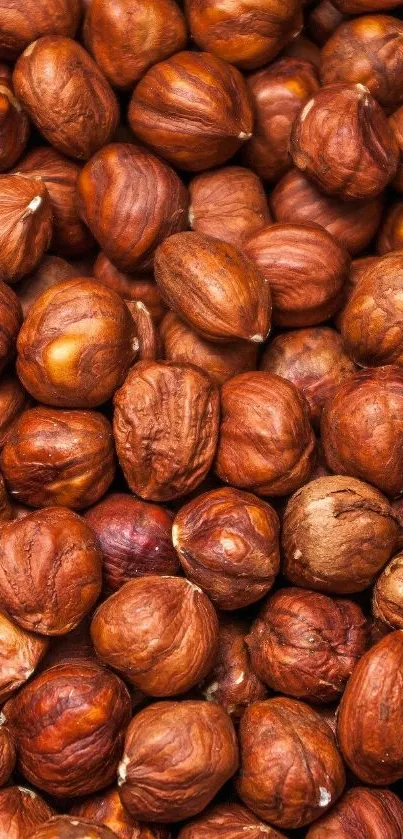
column 390, row 237
column 25, row 226
column 130, row 286
column 228, row 204
column 358, row 7
column 107, row 809
column 396, row 124
column 14, row 125
column 21, row 810
column 23, row 23
column 362, row 814
column 387, row 602
column 20, row 653
column 50, row 271
column 66, row 827
column 7, row 755
column 228, row 821
column 324, row 18
column 13, row 401
column 10, row 323
column 146, row 331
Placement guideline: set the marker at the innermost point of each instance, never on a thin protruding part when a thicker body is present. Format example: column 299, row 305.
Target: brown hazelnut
column 22, row 23
column 359, row 7
column 66, row 827
column 278, row 93
column 306, row 645
column 391, row 232
column 248, row 34
column 214, row 287
column 13, row 401
column 397, row 507
column 323, row 20
column 302, row 47
column 396, row 124
column 160, row 633
column 25, row 225
column 20, row 654
column 338, row 533
column 193, row 109
column 53, row 592
column 134, row 538
column 10, row 320
column 362, row 428
column 135, row 287
column 227, row 543
column 107, row 809
column 232, row 683
column 266, row 444
column 296, row 200
column 345, row 116
column 76, row 645
column 177, row 756
column 229, row 204
column 14, row 125
column 166, row 428
column 387, row 602
column 76, row 345
column 146, row 331
column 7, row 755
column 369, row 50
column 305, row 268
column 66, row 96
column 314, row 360
column 291, row 771
column 228, row 821
column 371, row 714
column 127, row 37
column 131, row 202
column 362, row 813
column 358, row 268
column 81, row 712
column 59, row 458
column 6, row 512
column 50, row 271
column 21, row 810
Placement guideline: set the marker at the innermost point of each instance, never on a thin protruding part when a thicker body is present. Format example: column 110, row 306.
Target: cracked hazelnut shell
column 228, row 821
column 13, row 401
column 25, row 225
column 21, row 811
column 362, row 813
column 390, row 236
column 387, row 602
column 14, row 125
column 134, row 287
column 65, row 827
column 23, row 23
column 10, row 323
column 20, row 654
column 107, row 809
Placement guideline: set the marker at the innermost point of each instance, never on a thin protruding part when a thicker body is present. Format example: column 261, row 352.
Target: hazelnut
column 177, row 756
column 278, row 92
column 338, row 533
column 22, row 23
column 232, row 683
column 13, row 401
column 66, row 96
column 52, row 593
column 25, row 225
column 397, row 507
column 65, row 827
column 345, row 116
column 296, row 200
column 323, row 20
column 130, row 287
column 391, row 232
column 107, row 809
column 131, row 202
column 11, row 320
column 367, row 49
column 370, row 714
column 266, row 444
column 358, row 268
column 76, row 345
column 21, row 810
column 302, row 47
column 81, row 712
column 314, row 360
column 166, row 427
column 291, row 771
column 7, row 755
column 160, row 633
column 59, row 458
column 361, row 813
column 221, row 361
column 129, row 36
column 306, row 645
column 50, row 271
column 245, row 33
column 14, row 125
column 134, row 538
column 227, row 543
column 396, row 124
column 75, row 646
column 20, row 654
column 229, row 204
column 6, row 512
column 362, row 428
column 358, row 7
column 214, row 287
column 388, row 594
column 228, row 821
column 146, row 331
column 306, row 269
column 193, row 109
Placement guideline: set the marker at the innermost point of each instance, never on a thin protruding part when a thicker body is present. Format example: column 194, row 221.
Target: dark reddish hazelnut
column 7, row 755
column 81, row 712
column 148, row 338
column 266, row 444
column 177, row 756
column 314, row 360
column 50, row 271
column 59, row 458
column 25, row 225
column 362, row 428
column 66, row 827
column 248, row 34
column 21, row 810
column 14, row 124
column 107, row 809
column 396, row 124
column 131, row 202
column 345, row 116
column 305, row 268
column 21, row 24
column 166, row 427
column 56, row 77
column 229, row 204
column 296, row 200
column 301, row 47
column 130, row 286
column 20, row 654
column 278, row 93
column 232, row 683
column 193, row 109
column 358, row 7
column 52, row 593
column 387, row 604
column 338, row 533
column 59, row 175
column 134, row 538
column 10, row 320
column 221, row 361
column 129, row 36
column 358, row 268
column 227, row 543
column 371, row 714
column 323, row 20
column 160, row 633
column 369, row 50
column 306, row 645
column 13, row 401
column 390, row 236
column 363, row 814
column 76, row 344
column 291, row 771
column 228, row 821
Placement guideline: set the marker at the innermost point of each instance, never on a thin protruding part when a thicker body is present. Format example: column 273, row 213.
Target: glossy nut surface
column 7, row 755
column 14, row 126
column 10, row 319
column 50, row 271
column 26, row 225
column 228, row 821
column 108, row 810
column 13, row 401
column 387, row 603
column 22, row 24
column 20, row 653
column 65, row 827
column 362, row 813
column 21, row 811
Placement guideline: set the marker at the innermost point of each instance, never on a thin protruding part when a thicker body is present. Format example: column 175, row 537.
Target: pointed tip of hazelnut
column 34, row 205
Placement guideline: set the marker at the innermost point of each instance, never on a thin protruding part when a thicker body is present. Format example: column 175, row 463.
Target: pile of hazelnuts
column 201, row 419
